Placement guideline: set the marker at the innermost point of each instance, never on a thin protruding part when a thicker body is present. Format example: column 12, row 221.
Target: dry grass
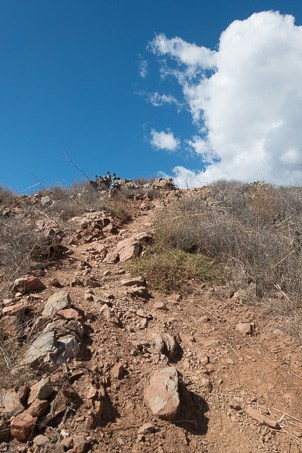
column 253, row 230
column 8, row 198
column 11, row 352
column 66, row 203
column 171, row 270
column 21, row 243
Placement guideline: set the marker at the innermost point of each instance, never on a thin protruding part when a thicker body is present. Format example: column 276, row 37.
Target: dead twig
column 67, row 157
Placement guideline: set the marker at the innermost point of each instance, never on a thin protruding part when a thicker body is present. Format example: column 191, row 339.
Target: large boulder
column 162, row 394
column 56, row 302
column 43, row 349
column 22, row 426
column 128, row 248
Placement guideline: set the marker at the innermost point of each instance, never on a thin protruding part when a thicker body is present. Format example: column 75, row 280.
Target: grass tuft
column 170, row 270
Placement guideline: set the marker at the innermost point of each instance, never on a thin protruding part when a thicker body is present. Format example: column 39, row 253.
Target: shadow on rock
column 105, row 414
column 192, row 412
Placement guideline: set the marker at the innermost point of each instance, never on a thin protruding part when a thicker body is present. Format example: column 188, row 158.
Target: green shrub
column 170, row 270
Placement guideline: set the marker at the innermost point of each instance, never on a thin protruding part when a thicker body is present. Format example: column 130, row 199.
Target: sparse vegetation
column 66, row 203
column 21, row 243
column 170, row 270
column 252, row 230
column 10, row 353
column 8, row 198
column 107, row 181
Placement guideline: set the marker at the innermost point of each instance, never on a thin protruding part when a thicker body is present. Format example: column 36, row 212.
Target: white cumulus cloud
column 245, row 99
column 164, row 140
column 189, row 54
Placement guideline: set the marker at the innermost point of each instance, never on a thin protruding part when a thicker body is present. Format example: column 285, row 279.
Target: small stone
column 70, row 313
column 245, row 328
column 203, row 357
column 40, row 440
column 206, row 385
column 105, row 312
column 92, row 393
column 117, row 371
column 55, row 283
column 160, row 306
column 139, row 281
column 147, row 428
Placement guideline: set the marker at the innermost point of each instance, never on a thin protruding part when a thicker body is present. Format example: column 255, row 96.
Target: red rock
column 14, row 310
column 128, row 248
column 38, row 408
column 117, row 371
column 28, row 284
column 70, row 313
column 23, row 393
column 69, row 393
column 22, row 426
column 162, row 393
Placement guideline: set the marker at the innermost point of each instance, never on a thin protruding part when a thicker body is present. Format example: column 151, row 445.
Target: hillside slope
column 76, row 368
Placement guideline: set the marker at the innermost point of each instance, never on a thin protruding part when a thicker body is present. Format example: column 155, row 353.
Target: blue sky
column 70, row 82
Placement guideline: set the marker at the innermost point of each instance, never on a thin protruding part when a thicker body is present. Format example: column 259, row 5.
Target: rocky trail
column 117, row 367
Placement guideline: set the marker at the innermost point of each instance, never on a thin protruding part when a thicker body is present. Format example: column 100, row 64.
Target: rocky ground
column 112, row 366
